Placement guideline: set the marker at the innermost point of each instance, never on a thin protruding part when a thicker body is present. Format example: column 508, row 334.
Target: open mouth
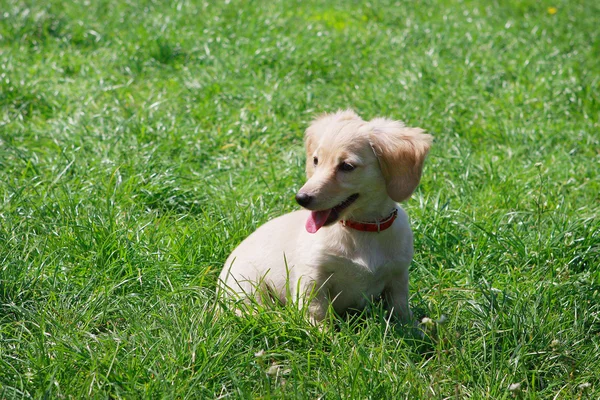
column 318, row 219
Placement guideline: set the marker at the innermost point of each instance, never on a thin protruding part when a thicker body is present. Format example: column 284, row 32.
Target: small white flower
column 584, row 386
column 514, row 387
column 273, row 369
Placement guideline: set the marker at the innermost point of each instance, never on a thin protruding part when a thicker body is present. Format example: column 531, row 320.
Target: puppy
column 352, row 242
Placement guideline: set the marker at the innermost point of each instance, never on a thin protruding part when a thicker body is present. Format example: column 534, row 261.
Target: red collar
column 377, row 226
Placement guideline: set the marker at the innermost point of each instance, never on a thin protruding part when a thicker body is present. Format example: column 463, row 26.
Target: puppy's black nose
column 303, row 199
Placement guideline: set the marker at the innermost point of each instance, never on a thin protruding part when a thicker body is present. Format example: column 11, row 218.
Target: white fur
column 339, row 265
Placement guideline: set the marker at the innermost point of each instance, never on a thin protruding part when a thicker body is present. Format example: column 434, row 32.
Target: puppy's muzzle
column 304, row 199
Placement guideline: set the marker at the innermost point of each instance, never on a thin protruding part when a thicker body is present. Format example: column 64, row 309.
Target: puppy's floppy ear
column 401, row 152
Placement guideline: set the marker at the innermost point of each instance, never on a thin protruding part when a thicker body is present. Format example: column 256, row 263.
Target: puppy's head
column 352, row 164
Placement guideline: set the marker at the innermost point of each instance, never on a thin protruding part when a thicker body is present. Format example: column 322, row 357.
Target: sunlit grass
column 139, row 143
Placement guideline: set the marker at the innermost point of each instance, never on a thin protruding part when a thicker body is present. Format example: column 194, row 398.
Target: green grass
column 139, row 143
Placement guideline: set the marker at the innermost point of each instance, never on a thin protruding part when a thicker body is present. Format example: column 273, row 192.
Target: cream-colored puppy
column 353, row 242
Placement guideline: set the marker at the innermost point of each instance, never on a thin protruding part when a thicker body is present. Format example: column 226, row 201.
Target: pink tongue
column 316, row 220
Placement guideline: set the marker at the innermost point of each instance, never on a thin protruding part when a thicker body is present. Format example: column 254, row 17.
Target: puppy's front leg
column 315, row 294
column 395, row 295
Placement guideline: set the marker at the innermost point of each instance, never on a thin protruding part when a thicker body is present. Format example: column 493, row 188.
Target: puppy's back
column 265, row 257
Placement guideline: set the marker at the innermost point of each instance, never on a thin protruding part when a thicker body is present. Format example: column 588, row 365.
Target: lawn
column 140, row 142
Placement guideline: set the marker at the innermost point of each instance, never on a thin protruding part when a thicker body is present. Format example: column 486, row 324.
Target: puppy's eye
column 346, row 167
column 315, row 161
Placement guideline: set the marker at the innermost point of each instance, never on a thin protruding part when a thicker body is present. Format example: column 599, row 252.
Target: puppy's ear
column 401, row 152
